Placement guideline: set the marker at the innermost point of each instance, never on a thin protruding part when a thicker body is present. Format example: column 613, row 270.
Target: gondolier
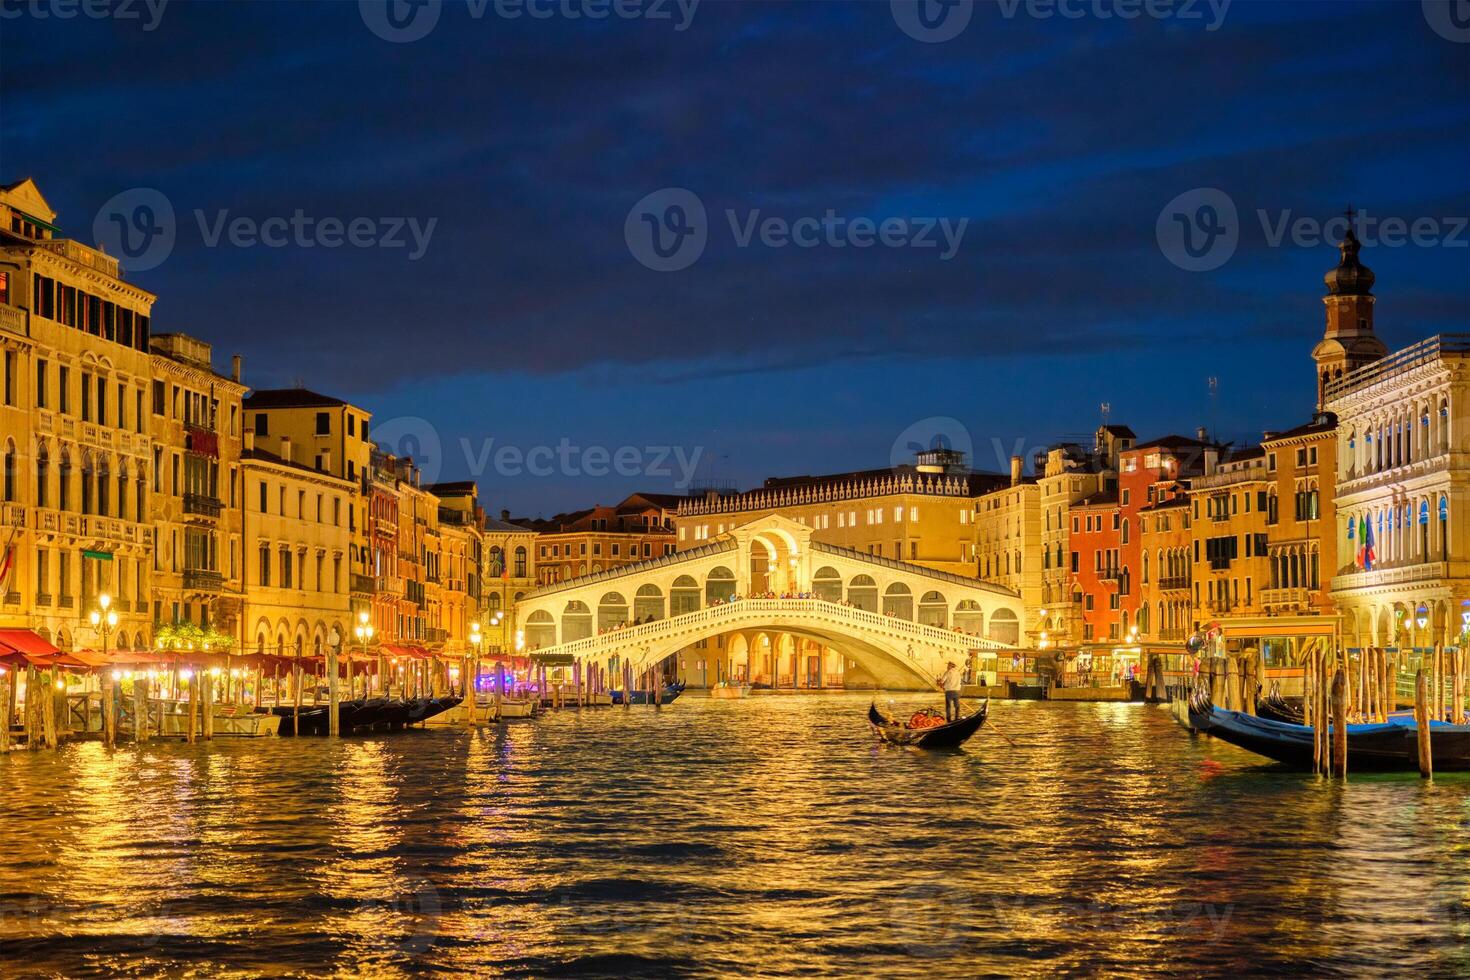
column 951, row 681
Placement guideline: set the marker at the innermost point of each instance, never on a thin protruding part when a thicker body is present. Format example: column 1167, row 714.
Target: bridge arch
column 648, row 603
column 576, row 621
column 684, row 596
column 934, row 609
column 898, row 601
column 719, row 585
column 862, row 592
column 969, row 617
column 827, row 584
column 612, row 611
column 540, row 630
column 1005, row 627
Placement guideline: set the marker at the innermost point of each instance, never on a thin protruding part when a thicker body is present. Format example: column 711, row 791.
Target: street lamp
column 473, row 679
column 364, row 632
column 1421, row 617
column 104, row 614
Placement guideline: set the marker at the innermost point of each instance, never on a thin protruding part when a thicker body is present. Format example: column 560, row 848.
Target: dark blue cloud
column 527, row 319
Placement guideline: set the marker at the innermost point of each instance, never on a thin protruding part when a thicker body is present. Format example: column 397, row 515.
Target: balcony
column 363, row 584
column 10, row 598
column 435, row 635
column 202, row 505
column 1298, row 598
column 12, row 319
column 1109, row 574
column 12, row 515
column 1402, row 575
column 43, row 599
column 1174, row 583
column 66, row 602
column 203, row 580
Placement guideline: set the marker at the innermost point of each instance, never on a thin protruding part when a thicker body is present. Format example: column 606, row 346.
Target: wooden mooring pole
column 5, row 713
column 1339, row 723
column 1421, row 721
column 109, row 709
column 206, row 705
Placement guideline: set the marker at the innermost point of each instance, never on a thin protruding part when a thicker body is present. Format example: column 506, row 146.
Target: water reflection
column 766, row 836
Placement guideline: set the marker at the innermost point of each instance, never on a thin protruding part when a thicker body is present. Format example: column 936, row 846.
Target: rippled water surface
column 764, row 837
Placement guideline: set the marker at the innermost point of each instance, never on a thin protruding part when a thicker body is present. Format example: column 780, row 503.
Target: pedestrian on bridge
column 951, row 682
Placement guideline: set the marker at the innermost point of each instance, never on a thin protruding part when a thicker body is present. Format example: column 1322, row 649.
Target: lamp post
column 473, row 676
column 1421, row 619
column 104, row 614
column 364, row 633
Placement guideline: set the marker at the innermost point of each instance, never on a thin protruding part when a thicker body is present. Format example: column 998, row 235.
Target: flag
column 1365, row 545
column 7, row 561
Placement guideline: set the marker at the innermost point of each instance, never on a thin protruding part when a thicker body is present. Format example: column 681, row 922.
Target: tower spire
column 1348, row 342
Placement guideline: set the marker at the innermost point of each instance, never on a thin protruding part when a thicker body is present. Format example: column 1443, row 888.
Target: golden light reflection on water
column 766, row 836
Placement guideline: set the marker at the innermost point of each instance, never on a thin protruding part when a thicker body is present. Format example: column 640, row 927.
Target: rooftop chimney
column 505, row 516
column 1202, row 434
column 1016, row 464
column 235, row 367
column 249, row 436
column 286, row 449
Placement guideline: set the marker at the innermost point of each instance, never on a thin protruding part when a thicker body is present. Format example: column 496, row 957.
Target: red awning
column 26, row 642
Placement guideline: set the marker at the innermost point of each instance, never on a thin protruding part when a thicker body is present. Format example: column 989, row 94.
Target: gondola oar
column 1002, row 734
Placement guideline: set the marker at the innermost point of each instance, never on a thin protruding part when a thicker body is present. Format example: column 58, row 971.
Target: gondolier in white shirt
column 951, row 682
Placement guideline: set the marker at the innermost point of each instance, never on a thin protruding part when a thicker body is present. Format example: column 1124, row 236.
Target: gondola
column 947, row 736
column 670, row 692
column 1276, row 708
column 1388, row 747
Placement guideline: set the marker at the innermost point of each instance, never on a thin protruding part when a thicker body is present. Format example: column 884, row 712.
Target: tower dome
column 1351, row 277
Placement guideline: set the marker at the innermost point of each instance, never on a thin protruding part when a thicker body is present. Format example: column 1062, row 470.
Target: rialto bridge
column 766, row 603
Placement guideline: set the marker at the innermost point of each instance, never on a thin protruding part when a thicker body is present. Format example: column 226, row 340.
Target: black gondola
column 1278, row 708
column 1390, row 747
column 947, row 736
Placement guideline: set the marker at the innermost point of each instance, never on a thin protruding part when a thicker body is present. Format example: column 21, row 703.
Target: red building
column 1096, row 567
column 1149, row 474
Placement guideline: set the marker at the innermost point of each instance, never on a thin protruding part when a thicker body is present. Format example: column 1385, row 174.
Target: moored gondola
column 1387, row 747
column 946, row 736
column 667, row 696
column 1277, row 708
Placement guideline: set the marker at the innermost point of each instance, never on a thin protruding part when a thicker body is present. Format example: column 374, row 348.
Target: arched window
column 1125, row 530
column 520, row 566
column 9, row 471
column 43, row 476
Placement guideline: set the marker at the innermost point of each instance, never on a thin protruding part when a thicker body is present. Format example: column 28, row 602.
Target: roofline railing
column 1407, row 359
column 716, row 547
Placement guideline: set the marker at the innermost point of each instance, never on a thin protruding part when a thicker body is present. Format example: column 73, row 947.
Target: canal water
column 717, row 838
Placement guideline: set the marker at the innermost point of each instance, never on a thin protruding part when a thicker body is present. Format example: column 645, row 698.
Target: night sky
column 521, row 145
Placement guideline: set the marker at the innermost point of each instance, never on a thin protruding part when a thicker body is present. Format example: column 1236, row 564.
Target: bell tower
column 1349, row 341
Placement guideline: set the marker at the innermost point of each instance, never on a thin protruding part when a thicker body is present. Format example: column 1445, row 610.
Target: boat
column 510, row 708
column 1391, row 746
column 1277, row 708
column 667, row 696
column 729, row 691
column 946, row 736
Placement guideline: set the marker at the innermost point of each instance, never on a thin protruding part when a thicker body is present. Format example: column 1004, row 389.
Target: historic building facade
column 599, row 538
column 918, row 513
column 1008, row 546
column 78, row 466
column 1403, row 495
column 294, row 519
column 195, row 506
